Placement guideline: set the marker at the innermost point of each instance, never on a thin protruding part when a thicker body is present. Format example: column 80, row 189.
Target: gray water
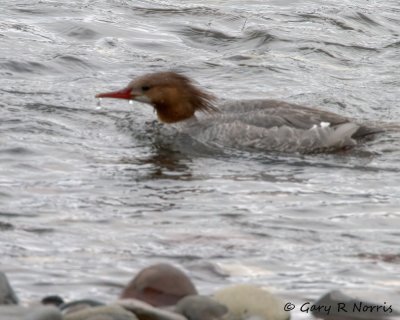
column 91, row 194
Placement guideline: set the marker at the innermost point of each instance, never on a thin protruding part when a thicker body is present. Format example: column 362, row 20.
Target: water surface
column 90, row 194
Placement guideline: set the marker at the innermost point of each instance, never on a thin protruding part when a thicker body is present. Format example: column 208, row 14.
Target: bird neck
column 174, row 112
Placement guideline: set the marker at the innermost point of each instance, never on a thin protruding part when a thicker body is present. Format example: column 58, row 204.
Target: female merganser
column 262, row 124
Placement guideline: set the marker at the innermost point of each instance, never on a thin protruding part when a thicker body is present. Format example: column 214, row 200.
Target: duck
column 261, row 124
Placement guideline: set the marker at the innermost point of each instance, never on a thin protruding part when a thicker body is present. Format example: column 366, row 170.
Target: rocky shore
column 164, row 292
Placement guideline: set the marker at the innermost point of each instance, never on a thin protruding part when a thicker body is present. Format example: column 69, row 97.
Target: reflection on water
column 162, row 164
column 90, row 195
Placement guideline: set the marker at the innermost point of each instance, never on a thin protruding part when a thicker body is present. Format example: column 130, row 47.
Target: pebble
column 109, row 312
column 160, row 285
column 201, row 308
column 249, row 301
column 145, row 311
column 30, row 313
column 7, row 294
column 52, row 300
column 79, row 305
column 358, row 305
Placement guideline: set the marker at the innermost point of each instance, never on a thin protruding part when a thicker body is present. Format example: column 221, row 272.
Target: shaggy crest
column 198, row 98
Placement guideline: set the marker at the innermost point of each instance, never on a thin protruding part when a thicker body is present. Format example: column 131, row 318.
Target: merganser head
column 173, row 95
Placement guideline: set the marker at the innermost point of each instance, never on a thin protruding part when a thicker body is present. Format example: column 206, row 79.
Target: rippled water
column 90, row 194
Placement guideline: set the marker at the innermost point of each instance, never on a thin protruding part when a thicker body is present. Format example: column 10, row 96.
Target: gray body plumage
column 272, row 125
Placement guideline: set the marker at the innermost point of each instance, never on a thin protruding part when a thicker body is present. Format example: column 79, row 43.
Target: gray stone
column 109, row 312
column 29, row 313
column 356, row 305
column 79, row 305
column 53, row 300
column 145, row 311
column 7, row 294
column 249, row 301
column 200, row 308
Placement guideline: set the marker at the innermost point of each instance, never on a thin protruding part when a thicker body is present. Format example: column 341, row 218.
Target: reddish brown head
column 173, row 95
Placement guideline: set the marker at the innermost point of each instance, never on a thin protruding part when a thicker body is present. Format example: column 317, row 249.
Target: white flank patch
column 321, row 125
column 324, row 124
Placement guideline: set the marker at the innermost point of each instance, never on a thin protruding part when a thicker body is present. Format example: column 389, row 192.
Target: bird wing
column 274, row 113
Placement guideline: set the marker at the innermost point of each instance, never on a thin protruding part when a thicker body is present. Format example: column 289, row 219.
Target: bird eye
column 145, row 88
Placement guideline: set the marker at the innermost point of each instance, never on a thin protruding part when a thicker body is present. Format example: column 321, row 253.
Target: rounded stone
column 29, row 313
column 53, row 300
column 200, row 308
column 159, row 285
column 109, row 312
column 353, row 304
column 249, row 301
column 7, row 294
column 145, row 311
column 79, row 305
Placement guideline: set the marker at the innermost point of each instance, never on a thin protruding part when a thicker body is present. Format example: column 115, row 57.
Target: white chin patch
column 143, row 99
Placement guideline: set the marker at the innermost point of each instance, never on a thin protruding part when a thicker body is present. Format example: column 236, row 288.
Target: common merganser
column 269, row 125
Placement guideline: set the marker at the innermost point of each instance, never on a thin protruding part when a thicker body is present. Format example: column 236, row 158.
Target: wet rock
column 200, row 308
column 29, row 313
column 248, row 301
column 357, row 305
column 7, row 294
column 159, row 285
column 79, row 305
column 52, row 300
column 145, row 311
column 109, row 312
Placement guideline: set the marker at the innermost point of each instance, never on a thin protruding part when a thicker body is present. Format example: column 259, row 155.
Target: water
column 91, row 194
